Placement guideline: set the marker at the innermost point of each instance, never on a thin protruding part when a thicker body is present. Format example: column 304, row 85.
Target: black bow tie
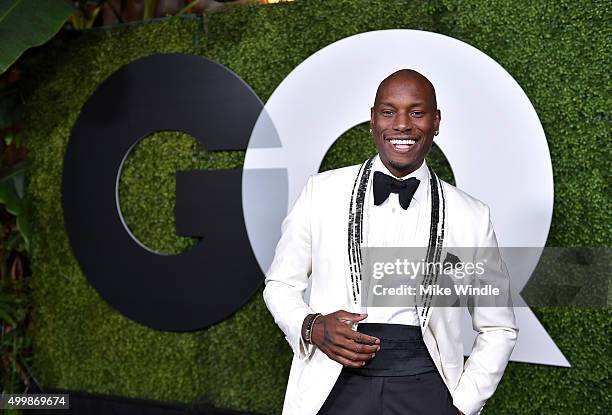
column 384, row 185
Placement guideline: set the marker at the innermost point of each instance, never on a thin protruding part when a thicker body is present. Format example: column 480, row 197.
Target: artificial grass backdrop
column 557, row 51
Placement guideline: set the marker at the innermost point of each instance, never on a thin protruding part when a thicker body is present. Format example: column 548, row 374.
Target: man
column 392, row 360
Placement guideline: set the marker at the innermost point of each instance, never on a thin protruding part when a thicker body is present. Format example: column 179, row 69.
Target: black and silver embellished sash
column 355, row 231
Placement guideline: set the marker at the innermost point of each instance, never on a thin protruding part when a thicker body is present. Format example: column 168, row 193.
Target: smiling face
column 404, row 119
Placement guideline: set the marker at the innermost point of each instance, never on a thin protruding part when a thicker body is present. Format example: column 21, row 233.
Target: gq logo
column 490, row 134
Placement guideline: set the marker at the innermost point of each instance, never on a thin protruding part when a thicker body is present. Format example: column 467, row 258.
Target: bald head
column 407, row 76
column 404, row 120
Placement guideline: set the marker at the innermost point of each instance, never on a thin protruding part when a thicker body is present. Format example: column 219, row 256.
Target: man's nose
column 402, row 122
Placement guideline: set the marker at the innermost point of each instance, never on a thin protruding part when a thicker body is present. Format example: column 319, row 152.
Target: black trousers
column 423, row 394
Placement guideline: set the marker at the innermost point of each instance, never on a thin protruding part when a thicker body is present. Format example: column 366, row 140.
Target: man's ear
column 371, row 117
column 437, row 119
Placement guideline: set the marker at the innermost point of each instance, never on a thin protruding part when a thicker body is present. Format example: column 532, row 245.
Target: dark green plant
column 28, row 23
column 15, row 306
column 12, row 196
column 15, row 342
column 15, row 237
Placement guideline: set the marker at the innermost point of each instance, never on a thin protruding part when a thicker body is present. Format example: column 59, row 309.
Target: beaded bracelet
column 308, row 334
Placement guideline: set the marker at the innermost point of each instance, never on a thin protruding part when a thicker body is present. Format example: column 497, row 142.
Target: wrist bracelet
column 306, row 325
column 309, row 326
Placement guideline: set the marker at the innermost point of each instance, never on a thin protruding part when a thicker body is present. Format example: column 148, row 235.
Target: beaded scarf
column 355, row 231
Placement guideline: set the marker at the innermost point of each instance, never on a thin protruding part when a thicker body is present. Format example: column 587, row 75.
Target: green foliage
column 12, row 196
column 28, row 23
column 15, row 343
column 557, row 51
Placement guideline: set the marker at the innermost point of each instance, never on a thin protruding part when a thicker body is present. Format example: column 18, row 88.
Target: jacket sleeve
column 287, row 278
column 497, row 333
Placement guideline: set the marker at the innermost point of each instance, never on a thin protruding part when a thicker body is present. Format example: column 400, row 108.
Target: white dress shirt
column 390, row 225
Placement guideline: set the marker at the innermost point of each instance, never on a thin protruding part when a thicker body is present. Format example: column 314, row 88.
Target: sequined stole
column 355, row 230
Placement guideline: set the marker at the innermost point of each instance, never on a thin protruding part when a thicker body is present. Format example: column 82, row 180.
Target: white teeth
column 408, row 142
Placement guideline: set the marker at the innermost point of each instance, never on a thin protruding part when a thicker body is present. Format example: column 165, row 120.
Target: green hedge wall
column 557, row 51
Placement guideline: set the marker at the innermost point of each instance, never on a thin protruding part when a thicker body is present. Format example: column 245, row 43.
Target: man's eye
column 387, row 113
column 417, row 113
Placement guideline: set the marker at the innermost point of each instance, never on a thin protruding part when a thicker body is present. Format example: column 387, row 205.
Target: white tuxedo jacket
column 313, row 245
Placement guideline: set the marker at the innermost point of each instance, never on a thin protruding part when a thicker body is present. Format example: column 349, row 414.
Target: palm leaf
column 28, row 23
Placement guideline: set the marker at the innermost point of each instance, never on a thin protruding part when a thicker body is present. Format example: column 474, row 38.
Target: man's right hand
column 333, row 335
